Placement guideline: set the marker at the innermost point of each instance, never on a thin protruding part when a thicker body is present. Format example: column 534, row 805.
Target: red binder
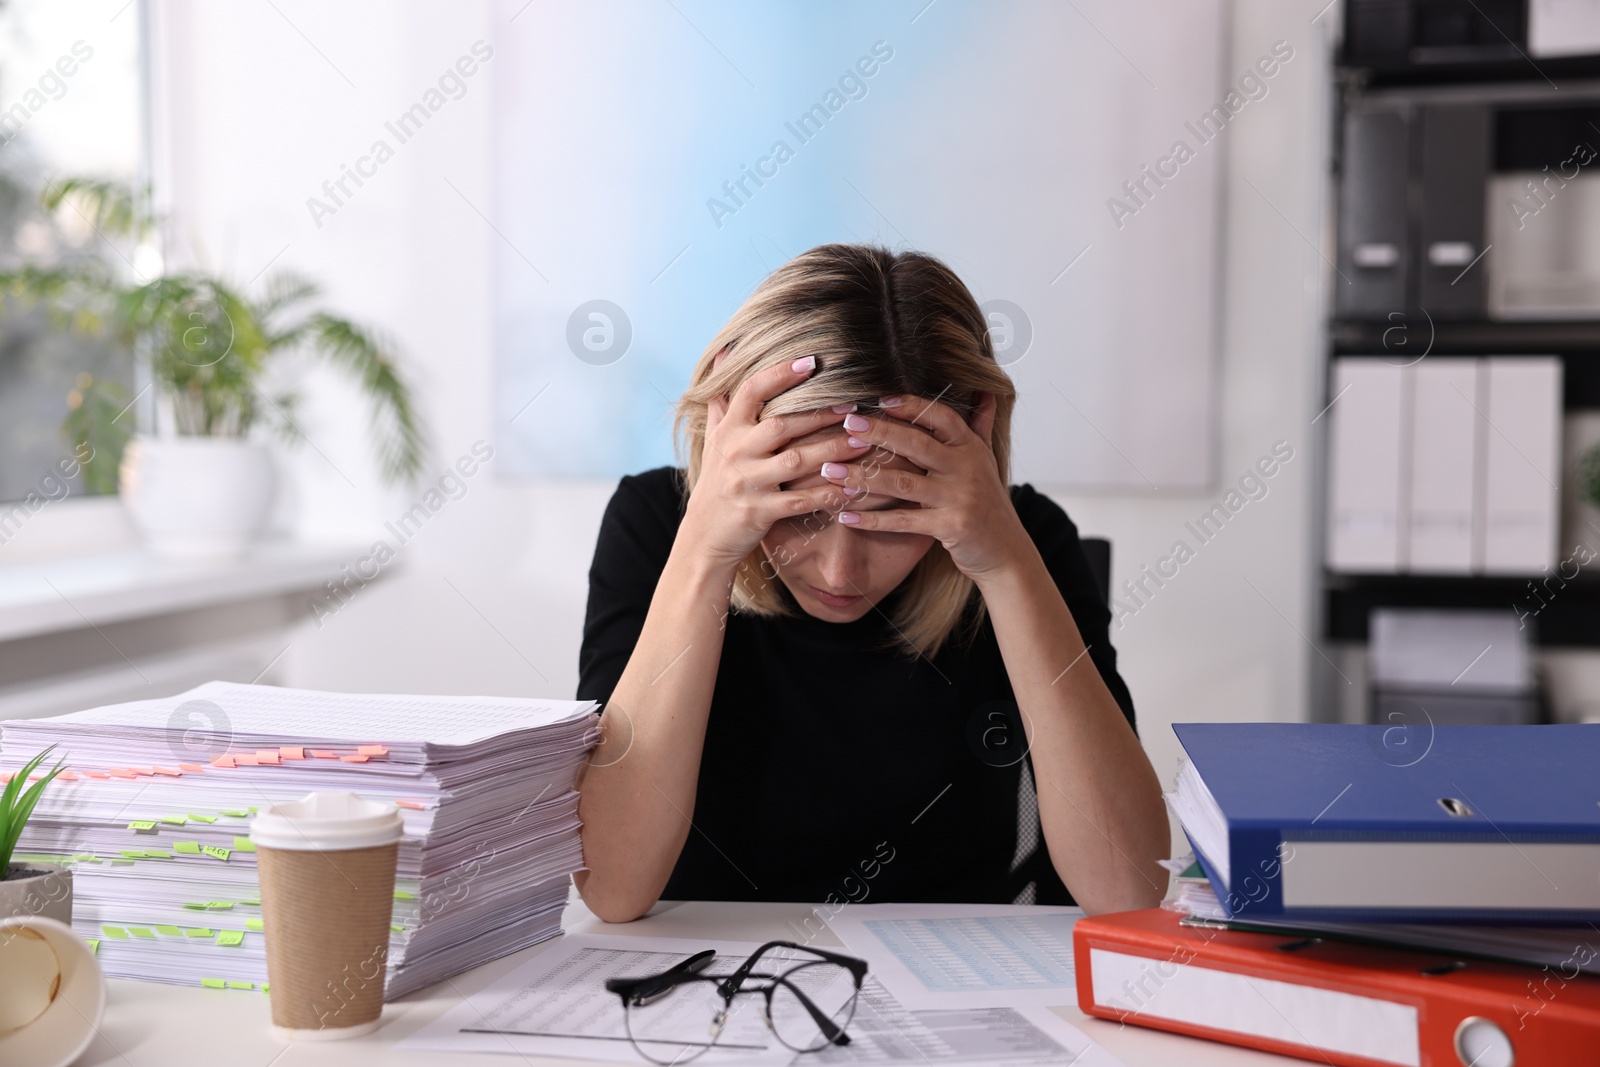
column 1336, row 1002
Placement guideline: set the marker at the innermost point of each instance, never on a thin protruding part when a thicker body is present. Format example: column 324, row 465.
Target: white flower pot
column 36, row 889
column 197, row 497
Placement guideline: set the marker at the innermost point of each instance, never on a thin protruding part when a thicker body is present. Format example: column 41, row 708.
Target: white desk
column 151, row 1025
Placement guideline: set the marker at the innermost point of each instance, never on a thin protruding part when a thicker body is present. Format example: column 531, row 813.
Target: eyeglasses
column 808, row 996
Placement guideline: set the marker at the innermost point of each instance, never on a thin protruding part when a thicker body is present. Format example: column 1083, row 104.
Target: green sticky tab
column 265, row 988
column 141, row 931
column 121, row 863
column 254, row 810
column 401, row 894
column 133, row 853
column 142, row 825
column 217, row 852
column 187, row 848
column 199, row 931
column 115, row 931
column 195, row 905
column 254, row 902
column 157, row 854
column 86, row 857
column 397, row 928
column 94, row 945
column 218, row 905
column 241, row 985
column 202, row 818
column 176, row 820
column 253, row 924
column 244, row 844
column 237, row 813
column 231, row 937
column 169, row 931
column 213, row 983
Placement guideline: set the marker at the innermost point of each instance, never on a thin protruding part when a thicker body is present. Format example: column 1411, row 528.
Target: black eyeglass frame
column 640, row 991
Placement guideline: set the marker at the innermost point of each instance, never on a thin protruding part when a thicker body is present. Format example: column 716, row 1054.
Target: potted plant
column 199, row 482
column 35, row 888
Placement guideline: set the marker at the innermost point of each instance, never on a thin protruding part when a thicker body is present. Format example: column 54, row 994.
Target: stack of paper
column 154, row 808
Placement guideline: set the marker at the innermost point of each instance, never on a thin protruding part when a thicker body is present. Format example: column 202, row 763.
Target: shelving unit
column 1432, row 97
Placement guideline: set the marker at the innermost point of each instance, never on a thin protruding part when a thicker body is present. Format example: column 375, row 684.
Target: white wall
column 490, row 595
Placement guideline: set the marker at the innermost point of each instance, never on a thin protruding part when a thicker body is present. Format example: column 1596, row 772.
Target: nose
column 841, row 559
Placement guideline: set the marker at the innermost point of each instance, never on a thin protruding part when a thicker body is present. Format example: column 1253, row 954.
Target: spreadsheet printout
column 963, row 955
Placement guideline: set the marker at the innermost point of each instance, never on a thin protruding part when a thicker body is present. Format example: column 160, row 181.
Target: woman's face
column 836, row 573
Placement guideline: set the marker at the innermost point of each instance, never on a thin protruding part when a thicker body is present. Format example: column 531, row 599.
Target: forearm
column 638, row 791
column 1099, row 799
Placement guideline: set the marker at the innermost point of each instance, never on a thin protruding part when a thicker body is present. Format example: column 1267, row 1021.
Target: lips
column 833, row 600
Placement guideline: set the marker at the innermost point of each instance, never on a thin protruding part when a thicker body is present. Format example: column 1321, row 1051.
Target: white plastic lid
column 326, row 822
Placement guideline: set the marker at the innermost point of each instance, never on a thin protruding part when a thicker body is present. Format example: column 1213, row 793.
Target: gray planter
column 37, row 889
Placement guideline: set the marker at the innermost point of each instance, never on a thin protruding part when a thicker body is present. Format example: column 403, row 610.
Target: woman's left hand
column 964, row 504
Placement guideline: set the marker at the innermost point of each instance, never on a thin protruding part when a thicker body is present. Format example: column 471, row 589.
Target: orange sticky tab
column 411, row 804
column 291, row 752
column 5, row 776
column 267, row 755
column 169, row 772
column 246, row 761
column 371, row 750
column 121, row 772
column 322, row 753
column 69, row 776
column 190, row 767
column 355, row 759
column 224, row 760
column 98, row 774
column 147, row 772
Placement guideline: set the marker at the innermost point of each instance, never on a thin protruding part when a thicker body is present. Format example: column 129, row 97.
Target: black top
column 835, row 769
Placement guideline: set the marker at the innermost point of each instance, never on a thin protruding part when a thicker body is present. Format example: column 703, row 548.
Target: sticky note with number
column 230, row 937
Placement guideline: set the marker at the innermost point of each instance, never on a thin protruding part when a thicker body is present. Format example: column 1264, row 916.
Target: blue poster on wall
column 655, row 161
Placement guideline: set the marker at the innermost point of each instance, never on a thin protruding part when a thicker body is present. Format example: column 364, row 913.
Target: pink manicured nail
column 803, row 364
column 856, row 442
column 844, row 409
column 849, row 518
column 835, row 470
column 856, row 423
column 851, row 491
column 891, row 401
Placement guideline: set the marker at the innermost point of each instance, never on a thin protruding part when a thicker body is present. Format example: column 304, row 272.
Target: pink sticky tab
column 267, row 755
column 70, row 776
column 417, row 804
column 190, row 767
column 147, row 772
column 246, row 761
column 224, row 760
column 355, row 759
column 122, row 772
column 371, row 750
column 102, row 775
column 291, row 752
column 169, row 772
column 5, row 776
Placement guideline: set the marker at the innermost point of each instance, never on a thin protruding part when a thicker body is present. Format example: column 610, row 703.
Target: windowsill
column 42, row 594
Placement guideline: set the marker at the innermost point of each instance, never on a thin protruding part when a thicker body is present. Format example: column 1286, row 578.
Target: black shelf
column 1577, row 342
column 1557, row 615
column 1509, row 67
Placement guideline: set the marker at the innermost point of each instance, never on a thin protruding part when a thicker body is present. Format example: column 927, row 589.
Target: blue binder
column 1412, row 823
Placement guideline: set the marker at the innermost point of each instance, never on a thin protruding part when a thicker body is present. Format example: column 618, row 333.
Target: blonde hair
column 878, row 323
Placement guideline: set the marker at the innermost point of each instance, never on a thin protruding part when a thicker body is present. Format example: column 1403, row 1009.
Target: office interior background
column 1383, row 219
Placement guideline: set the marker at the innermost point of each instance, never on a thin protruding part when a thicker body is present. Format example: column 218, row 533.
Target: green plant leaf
column 17, row 804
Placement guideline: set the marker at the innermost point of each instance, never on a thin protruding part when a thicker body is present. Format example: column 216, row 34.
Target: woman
column 810, row 641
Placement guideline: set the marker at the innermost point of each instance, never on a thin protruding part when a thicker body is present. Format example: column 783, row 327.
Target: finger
column 938, row 419
column 883, row 482
column 716, row 411
column 810, row 458
column 761, row 387
column 983, row 418
column 900, row 439
column 779, row 430
column 798, row 503
column 892, row 520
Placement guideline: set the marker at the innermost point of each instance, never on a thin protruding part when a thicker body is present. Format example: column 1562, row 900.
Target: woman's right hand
column 745, row 460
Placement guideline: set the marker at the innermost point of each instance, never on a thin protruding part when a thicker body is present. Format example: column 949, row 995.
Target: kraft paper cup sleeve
column 327, row 899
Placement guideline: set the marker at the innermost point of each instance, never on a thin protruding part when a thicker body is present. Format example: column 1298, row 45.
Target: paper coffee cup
column 52, row 993
column 327, row 866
